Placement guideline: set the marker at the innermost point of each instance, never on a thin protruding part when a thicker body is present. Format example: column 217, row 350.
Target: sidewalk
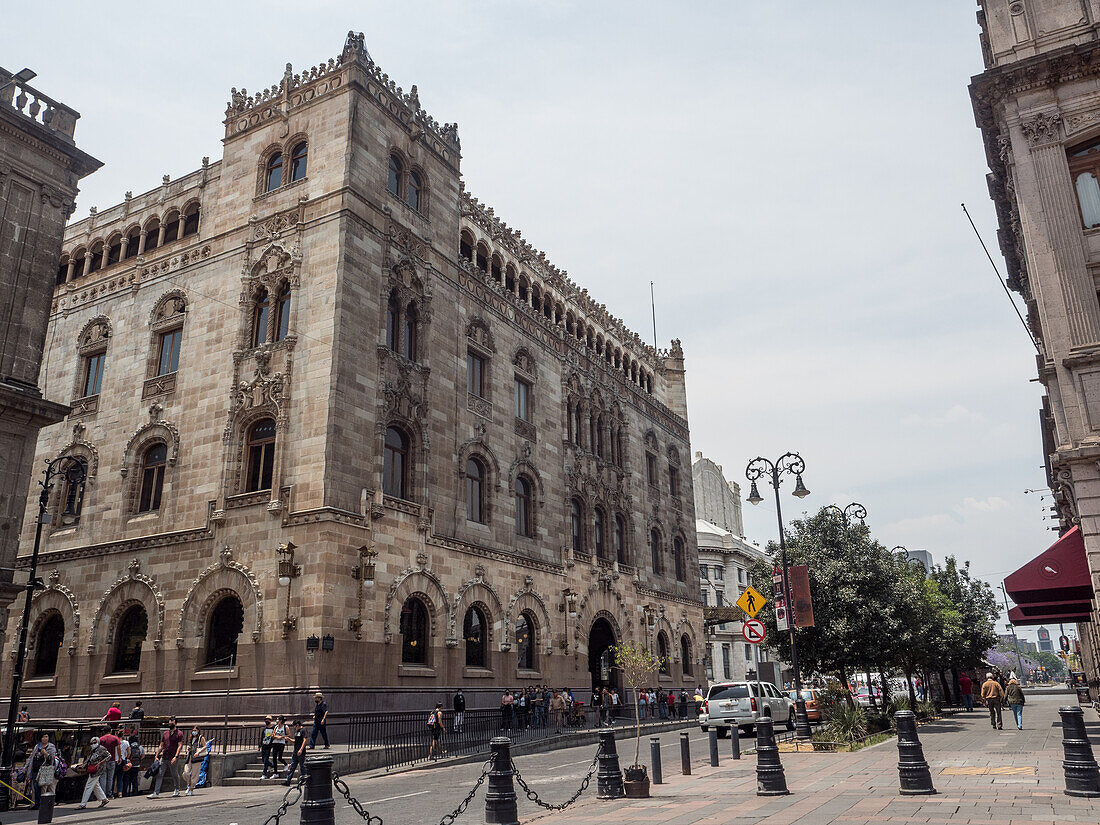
column 983, row 776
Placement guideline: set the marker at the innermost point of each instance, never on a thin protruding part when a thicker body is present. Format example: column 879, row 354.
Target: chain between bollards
column 770, row 778
column 655, row 758
column 1079, row 764
column 913, row 771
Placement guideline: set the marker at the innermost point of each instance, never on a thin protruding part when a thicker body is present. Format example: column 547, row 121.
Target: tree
column 637, row 665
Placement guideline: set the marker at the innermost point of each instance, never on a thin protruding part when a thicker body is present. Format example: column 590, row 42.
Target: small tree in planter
column 637, row 665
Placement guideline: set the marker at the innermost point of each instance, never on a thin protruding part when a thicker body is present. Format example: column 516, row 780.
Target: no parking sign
column 753, row 631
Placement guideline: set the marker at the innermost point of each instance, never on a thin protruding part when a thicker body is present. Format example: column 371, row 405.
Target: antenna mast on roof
column 653, row 307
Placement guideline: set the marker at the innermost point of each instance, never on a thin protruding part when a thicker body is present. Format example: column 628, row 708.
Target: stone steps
column 251, row 774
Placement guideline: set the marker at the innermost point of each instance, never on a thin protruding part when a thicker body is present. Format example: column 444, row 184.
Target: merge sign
column 751, row 601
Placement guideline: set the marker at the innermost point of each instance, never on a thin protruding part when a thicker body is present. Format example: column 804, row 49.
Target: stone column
column 1044, row 134
column 141, row 242
column 122, row 251
column 160, row 236
column 87, row 261
column 69, row 271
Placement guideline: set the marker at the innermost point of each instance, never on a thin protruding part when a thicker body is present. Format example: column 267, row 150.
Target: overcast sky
column 788, row 174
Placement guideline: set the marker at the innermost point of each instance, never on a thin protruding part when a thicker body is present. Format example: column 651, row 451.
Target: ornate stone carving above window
column 1043, row 129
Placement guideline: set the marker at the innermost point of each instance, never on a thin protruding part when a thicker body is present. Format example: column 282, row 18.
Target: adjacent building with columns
column 725, row 557
column 348, row 430
column 1038, row 106
column 40, row 167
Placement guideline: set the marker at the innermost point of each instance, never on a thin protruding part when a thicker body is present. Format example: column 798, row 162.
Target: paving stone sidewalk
column 986, row 776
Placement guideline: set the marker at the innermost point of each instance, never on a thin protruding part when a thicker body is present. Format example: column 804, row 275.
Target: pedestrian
column 662, row 705
column 919, row 686
column 320, row 717
column 112, row 744
column 539, row 703
column 699, row 700
column 24, row 716
column 122, row 766
column 683, row 703
column 966, row 691
column 1014, row 694
column 278, row 745
column 196, row 748
column 168, row 755
column 44, row 754
column 992, row 696
column 113, row 714
column 132, row 776
column 298, row 755
column 435, row 724
column 520, row 706
column 92, row 767
column 643, row 702
column 597, row 704
column 138, row 713
column 458, row 703
column 506, row 702
column 267, row 739
column 557, row 710
column 615, row 702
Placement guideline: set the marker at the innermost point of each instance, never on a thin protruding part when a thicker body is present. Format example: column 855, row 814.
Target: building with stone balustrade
column 347, row 430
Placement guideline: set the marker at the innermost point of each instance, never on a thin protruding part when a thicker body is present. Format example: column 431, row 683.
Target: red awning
column 1055, row 586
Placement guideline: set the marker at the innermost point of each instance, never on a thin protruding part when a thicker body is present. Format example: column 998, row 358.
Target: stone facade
column 40, row 167
column 1038, row 106
column 329, row 288
column 724, row 561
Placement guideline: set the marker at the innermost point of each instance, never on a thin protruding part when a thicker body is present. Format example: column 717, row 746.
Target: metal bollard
column 318, row 806
column 915, row 776
column 1079, row 765
column 685, row 755
column 713, row 737
column 500, row 798
column 609, row 778
column 735, row 743
column 770, row 779
column 45, row 808
column 655, row 758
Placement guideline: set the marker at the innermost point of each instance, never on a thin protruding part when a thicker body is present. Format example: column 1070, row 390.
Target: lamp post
column 792, row 464
column 75, row 471
column 364, row 574
column 288, row 571
column 858, row 511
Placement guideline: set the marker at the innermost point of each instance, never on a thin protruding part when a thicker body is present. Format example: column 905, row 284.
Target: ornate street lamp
column 853, row 511
column 75, row 471
column 791, row 464
column 288, row 571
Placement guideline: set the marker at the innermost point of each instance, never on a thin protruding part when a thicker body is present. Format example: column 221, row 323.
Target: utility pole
column 1015, row 641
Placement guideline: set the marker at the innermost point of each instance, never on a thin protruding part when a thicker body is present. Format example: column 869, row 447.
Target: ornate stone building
column 40, row 167
column 347, row 430
column 1038, row 106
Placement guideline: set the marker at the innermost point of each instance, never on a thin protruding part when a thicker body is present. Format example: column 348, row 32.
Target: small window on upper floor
column 1084, row 169
column 396, row 172
column 282, row 312
column 651, row 468
column 169, row 356
column 273, row 174
column 190, row 221
column 298, row 161
column 475, row 374
column 261, row 311
column 133, row 243
column 523, row 399
column 412, row 192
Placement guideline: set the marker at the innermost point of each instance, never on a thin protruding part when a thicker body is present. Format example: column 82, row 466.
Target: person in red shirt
column 110, row 742
column 966, row 690
column 113, row 714
column 170, row 763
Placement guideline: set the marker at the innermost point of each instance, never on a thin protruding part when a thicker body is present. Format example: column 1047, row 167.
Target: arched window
column 298, row 161
column 132, row 629
column 524, row 525
column 152, row 234
column 261, row 311
column 408, row 340
column 172, row 227
column 50, row 638
column 685, row 654
column 466, row 247
column 394, row 463
column 598, row 533
column 79, row 259
column 225, row 625
column 133, row 244
column 475, row 636
column 412, row 194
column 655, row 550
column 576, row 524
column 282, row 312
column 391, row 322
column 525, row 641
column 62, row 271
column 152, row 478
column 273, row 173
column 620, row 540
column 261, row 455
column 393, row 180
column 662, row 652
column 190, row 221
column 475, row 484
column 678, row 557
column 414, row 632
column 71, row 502
column 96, row 255
column 114, row 250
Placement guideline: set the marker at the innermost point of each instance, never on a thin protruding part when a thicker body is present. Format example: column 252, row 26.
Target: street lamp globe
column 754, row 495
column 799, row 490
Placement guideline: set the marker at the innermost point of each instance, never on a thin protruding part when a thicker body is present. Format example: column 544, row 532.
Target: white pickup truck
column 740, row 704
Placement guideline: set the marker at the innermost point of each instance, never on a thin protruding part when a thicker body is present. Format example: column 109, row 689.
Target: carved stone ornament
column 133, row 574
column 1043, row 128
column 225, row 562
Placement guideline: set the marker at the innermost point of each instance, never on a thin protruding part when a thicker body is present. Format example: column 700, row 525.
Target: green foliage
column 844, row 724
column 638, row 666
column 927, row 710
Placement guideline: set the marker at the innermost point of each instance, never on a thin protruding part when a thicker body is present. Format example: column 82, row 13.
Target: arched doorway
column 600, row 639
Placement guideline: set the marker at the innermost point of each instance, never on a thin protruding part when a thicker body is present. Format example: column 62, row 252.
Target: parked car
column 739, row 704
column 811, row 697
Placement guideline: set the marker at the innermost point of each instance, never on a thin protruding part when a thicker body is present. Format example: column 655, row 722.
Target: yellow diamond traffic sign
column 751, row 601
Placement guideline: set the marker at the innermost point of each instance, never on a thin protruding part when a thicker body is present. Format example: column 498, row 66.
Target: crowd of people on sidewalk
column 996, row 692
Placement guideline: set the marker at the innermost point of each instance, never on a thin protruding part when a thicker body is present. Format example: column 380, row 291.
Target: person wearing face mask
column 169, row 755
column 196, row 747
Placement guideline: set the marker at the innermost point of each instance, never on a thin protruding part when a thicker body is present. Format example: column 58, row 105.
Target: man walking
column 113, row 745
column 138, row 713
column 298, row 756
column 992, row 695
column 168, row 754
column 320, row 717
column 459, row 704
column 966, row 691
column 557, row 710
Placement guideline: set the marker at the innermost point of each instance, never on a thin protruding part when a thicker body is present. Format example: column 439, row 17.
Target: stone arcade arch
column 601, row 636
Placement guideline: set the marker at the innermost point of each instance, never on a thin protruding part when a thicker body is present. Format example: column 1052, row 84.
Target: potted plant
column 637, row 665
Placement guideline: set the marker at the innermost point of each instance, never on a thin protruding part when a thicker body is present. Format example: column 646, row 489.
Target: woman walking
column 1014, row 695
column 196, row 748
column 97, row 762
column 278, row 745
column 435, row 723
column 44, row 754
column 267, row 739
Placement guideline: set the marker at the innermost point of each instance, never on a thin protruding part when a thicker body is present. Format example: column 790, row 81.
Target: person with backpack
column 435, row 724
column 97, row 761
column 44, row 754
column 267, row 740
column 132, row 777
